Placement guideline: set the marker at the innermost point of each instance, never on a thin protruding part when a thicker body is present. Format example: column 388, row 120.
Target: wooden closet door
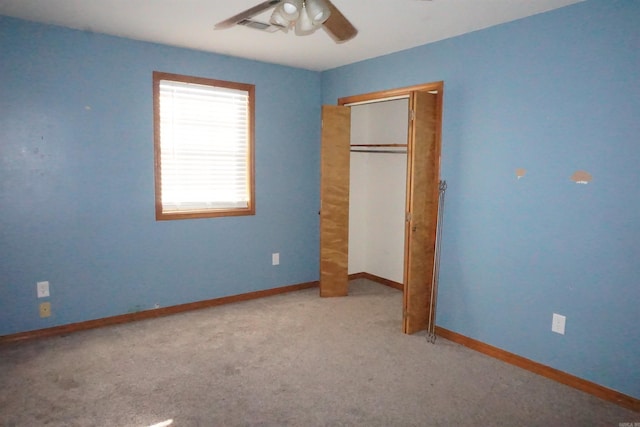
column 422, row 207
column 334, row 201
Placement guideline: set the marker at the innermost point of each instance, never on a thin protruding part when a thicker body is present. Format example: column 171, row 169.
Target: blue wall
column 553, row 93
column 77, row 181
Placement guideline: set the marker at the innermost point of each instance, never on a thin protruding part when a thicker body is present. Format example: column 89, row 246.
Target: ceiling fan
column 304, row 16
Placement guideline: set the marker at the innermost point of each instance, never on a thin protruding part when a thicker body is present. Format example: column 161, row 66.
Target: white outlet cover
column 43, row 289
column 558, row 323
column 275, row 259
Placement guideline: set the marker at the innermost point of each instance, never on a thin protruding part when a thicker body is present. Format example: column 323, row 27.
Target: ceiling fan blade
column 338, row 26
column 227, row 23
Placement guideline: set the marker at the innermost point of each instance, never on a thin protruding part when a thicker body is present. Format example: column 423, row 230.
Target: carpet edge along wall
column 521, row 362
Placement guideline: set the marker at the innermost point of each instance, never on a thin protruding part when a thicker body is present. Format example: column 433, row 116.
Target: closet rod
column 378, row 145
column 380, row 151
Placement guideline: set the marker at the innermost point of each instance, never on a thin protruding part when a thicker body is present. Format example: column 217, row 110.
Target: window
column 203, row 137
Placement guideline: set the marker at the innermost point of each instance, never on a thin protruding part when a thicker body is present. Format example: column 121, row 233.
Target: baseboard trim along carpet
column 519, row 361
column 377, row 279
column 149, row 314
column 540, row 369
column 594, row 389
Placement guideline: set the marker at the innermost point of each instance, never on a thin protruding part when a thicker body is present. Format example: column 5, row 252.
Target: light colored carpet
column 288, row 360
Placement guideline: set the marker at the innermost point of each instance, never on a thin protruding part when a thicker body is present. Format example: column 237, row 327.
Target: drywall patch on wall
column 520, row 172
column 581, row 177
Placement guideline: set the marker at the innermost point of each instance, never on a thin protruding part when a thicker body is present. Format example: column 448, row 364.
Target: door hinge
column 413, row 114
column 407, row 217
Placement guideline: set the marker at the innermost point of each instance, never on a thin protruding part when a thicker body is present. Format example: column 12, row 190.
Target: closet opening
column 377, row 190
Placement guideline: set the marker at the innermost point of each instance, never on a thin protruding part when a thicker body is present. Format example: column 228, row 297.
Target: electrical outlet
column 558, row 323
column 43, row 289
column 275, row 258
column 45, row 309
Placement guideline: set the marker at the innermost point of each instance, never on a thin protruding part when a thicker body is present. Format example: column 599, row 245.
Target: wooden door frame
column 384, row 95
column 406, row 92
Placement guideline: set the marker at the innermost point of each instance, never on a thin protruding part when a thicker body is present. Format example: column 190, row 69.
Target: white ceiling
column 384, row 26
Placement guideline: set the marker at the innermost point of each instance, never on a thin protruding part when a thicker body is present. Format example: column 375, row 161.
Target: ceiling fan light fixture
column 304, row 24
column 291, row 9
column 318, row 11
column 302, row 16
column 279, row 19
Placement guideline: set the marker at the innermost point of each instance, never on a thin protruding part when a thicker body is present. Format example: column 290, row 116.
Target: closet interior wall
column 377, row 193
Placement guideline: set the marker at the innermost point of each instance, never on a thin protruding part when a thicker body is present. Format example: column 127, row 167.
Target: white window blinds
column 204, row 147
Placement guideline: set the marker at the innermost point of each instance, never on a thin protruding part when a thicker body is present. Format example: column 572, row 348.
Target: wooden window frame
column 212, row 212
